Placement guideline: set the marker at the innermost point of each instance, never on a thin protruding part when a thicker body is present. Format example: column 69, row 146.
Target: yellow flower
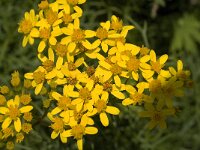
column 170, row 89
column 38, row 77
column 180, row 74
column 156, row 66
column 76, row 35
column 27, row 27
column 101, row 108
column 13, row 112
column 157, row 115
column 53, row 69
column 136, row 96
column 105, row 37
column 78, row 130
column 58, row 127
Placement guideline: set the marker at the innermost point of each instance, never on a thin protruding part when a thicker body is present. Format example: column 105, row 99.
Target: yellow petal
column 112, row 110
column 67, row 133
column 179, row 65
column 59, row 62
column 56, row 95
column 41, row 46
column 52, row 40
column 91, row 130
column 117, row 80
column 34, row 32
column 105, row 64
column 89, row 33
column 80, row 144
column 104, row 119
column 127, row 102
column 24, row 41
column 55, row 111
column 71, row 47
column 118, row 94
column 38, row 88
column 51, row 54
column 63, row 139
column 6, row 122
column 153, row 56
column 25, row 109
column 163, row 59
column 3, row 110
column 54, row 134
column 130, row 89
column 104, row 47
column 28, row 75
column 17, row 125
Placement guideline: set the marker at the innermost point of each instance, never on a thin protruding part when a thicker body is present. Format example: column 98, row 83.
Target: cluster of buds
column 15, row 111
column 88, row 73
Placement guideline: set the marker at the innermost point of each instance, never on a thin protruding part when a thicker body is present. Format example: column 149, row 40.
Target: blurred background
column 167, row 26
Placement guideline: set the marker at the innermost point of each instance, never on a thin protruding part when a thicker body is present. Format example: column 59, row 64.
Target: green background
column 167, row 26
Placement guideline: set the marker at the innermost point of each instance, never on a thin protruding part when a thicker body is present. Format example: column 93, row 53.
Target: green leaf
column 187, row 34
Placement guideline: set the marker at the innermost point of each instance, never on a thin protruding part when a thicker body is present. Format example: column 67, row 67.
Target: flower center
column 26, row 127
column 48, row 65
column 101, row 33
column 78, row 35
column 14, row 112
column 72, row 81
column 90, row 71
column 137, row 97
column 78, row 131
column 117, row 25
column 115, row 69
column 101, row 106
column 64, row 103
column 157, row 116
column 38, row 77
column 107, row 87
column 45, row 33
column 58, row 124
column 26, row 26
column 120, row 39
column 51, row 16
column 67, row 18
column 71, row 66
column 133, row 64
column 61, row 50
column 156, row 66
column 84, row 94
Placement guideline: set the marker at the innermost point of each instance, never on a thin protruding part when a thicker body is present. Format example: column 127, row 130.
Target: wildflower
column 156, row 66
column 79, row 130
column 101, row 108
column 136, row 96
column 157, row 115
column 19, row 137
column 27, row 27
column 58, row 128
column 2, row 100
column 180, row 74
column 38, row 77
column 13, row 112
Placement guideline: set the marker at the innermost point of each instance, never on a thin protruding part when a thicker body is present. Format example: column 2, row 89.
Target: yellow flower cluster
column 86, row 73
column 15, row 112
